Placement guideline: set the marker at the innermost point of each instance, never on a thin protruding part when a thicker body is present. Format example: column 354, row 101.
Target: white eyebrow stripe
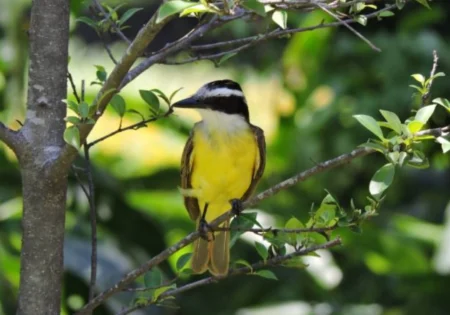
column 223, row 92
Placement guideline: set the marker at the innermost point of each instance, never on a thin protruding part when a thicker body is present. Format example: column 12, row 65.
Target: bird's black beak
column 190, row 102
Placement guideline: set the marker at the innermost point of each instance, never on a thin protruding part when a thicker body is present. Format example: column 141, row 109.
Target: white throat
column 229, row 123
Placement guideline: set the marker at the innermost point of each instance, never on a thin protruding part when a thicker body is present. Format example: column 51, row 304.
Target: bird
column 222, row 162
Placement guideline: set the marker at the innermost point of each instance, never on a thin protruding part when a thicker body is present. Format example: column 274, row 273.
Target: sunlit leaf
column 157, row 292
column 381, row 180
column 445, row 144
column 419, row 78
column 280, row 18
column 415, row 126
column 425, row 113
column 371, row 124
column 393, row 121
column 172, row 7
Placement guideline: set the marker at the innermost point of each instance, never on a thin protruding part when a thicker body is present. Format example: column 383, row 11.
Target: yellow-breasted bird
column 222, row 162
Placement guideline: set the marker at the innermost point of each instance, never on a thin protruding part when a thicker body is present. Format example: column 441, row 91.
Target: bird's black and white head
column 221, row 102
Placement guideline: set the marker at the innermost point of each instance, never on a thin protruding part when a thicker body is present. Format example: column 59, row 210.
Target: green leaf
column 73, row 120
column 415, row 126
column 374, row 145
column 157, row 292
column 445, row 144
column 280, row 18
column 418, row 160
column 72, row 137
column 83, row 109
column 198, row 8
column 173, row 94
column 101, row 73
column 243, row 223
column 128, row 14
column 294, row 223
column 73, row 106
column 243, row 263
column 226, row 57
column 172, row 7
column 295, row 262
column 400, row 4
column 361, row 19
column 133, row 111
column 87, row 21
column 425, row 113
column 424, row 3
column 266, row 274
column 255, row 6
column 183, row 260
column 443, row 102
column 262, row 250
column 386, row 14
column 151, row 99
column 153, row 278
column 393, row 121
column 162, row 95
column 371, row 124
column 419, row 78
column 381, row 180
column 118, row 103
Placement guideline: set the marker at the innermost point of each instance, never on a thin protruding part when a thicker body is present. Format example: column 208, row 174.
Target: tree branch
column 426, row 96
column 112, row 83
column 135, row 126
column 323, row 8
column 131, row 276
column 253, row 40
column 277, row 260
column 10, row 137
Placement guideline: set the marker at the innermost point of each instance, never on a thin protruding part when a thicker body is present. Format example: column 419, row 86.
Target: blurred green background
column 302, row 91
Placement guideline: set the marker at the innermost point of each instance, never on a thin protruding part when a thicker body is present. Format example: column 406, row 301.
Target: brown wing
column 259, row 167
column 187, row 165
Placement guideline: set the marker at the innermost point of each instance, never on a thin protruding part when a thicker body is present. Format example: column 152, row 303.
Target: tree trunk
column 44, row 178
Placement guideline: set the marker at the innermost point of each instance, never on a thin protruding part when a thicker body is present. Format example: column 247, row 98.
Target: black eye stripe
column 229, row 105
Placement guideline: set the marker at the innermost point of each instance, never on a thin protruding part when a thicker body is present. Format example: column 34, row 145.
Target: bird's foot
column 205, row 230
column 236, row 206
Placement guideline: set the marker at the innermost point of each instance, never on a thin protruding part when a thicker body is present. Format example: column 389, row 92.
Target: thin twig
column 135, row 126
column 426, row 96
column 276, row 230
column 108, row 50
column 82, row 90
column 280, row 33
column 275, row 261
column 74, row 88
column 93, row 217
column 114, row 26
column 165, row 284
column 349, row 27
column 78, row 178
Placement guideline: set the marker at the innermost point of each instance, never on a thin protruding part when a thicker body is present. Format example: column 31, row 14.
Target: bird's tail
column 213, row 254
